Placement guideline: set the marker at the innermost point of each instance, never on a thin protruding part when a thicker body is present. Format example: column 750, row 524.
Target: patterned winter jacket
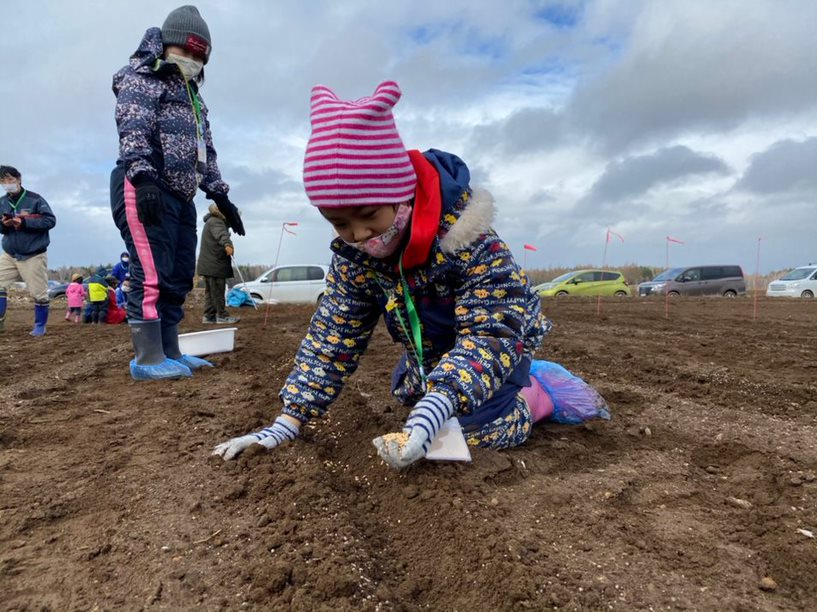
column 157, row 125
column 480, row 320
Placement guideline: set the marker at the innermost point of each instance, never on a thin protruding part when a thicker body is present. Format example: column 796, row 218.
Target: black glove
column 229, row 210
column 150, row 207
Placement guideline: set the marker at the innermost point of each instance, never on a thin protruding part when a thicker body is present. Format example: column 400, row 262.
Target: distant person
column 97, row 309
column 26, row 220
column 120, row 270
column 166, row 155
column 416, row 247
column 115, row 315
column 215, row 266
column 75, row 295
column 122, row 292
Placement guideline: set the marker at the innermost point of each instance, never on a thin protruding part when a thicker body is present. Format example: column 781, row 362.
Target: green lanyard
column 20, row 201
column 196, row 104
column 415, row 338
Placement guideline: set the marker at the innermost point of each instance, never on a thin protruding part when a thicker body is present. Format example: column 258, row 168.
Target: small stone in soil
column 494, row 501
column 739, row 503
column 767, row 583
column 410, row 491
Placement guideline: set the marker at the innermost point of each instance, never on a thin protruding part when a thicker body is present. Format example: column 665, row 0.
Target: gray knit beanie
column 185, row 27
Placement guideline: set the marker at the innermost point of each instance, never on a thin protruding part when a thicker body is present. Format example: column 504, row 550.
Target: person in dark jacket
column 120, row 270
column 215, row 266
column 26, row 220
column 166, row 155
column 416, row 246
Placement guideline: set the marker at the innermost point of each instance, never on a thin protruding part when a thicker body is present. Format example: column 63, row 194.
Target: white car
column 800, row 282
column 291, row 284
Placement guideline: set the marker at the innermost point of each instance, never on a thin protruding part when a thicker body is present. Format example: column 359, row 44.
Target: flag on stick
column 530, row 247
column 611, row 233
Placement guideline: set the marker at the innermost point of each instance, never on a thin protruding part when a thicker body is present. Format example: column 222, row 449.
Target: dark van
column 727, row 281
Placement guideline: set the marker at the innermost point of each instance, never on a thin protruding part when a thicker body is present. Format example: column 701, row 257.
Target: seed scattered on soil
column 401, row 438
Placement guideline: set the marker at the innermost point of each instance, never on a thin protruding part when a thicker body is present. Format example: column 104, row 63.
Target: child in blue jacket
column 415, row 245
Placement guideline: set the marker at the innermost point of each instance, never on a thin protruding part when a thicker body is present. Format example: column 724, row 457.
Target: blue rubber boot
column 40, row 319
column 4, row 300
column 150, row 362
column 170, row 345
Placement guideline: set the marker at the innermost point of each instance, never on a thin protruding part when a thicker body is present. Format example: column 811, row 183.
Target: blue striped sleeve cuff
column 429, row 415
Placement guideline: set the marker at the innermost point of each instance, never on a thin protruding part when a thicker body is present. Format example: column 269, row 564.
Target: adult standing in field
column 26, row 220
column 120, row 270
column 215, row 266
column 166, row 154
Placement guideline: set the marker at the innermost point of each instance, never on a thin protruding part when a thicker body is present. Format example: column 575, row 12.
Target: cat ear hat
column 355, row 156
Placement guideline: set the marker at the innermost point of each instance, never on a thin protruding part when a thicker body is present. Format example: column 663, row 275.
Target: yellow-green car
column 586, row 282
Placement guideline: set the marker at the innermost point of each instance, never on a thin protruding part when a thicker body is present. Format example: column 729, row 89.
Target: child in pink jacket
column 75, row 294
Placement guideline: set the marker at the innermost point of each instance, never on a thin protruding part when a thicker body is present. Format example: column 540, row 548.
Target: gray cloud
column 787, row 166
column 701, row 66
column 528, row 103
column 526, row 131
column 633, row 176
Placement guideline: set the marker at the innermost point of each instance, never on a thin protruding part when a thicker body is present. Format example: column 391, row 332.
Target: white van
column 800, row 282
column 302, row 283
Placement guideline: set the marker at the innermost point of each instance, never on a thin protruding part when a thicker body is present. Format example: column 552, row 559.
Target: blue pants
column 162, row 257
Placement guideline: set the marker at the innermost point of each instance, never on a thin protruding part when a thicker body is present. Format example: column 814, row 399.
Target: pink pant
column 539, row 402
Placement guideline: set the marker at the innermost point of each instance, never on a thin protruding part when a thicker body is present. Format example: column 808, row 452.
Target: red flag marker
column 666, row 293
column 611, row 233
column 530, row 247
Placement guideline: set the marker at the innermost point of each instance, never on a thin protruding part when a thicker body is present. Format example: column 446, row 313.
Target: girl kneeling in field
column 416, row 246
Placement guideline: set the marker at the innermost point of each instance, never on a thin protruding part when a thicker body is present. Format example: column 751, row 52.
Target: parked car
column 727, row 281
column 586, row 282
column 800, row 282
column 289, row 284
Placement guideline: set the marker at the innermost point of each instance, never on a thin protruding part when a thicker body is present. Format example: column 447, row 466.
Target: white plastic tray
column 221, row 340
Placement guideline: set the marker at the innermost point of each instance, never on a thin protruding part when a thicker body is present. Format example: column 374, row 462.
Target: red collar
column 425, row 220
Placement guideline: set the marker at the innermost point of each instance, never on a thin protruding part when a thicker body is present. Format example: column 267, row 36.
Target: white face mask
column 189, row 68
column 10, row 187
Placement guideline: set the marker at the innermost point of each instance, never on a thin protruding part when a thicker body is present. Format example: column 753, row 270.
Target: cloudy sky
column 695, row 119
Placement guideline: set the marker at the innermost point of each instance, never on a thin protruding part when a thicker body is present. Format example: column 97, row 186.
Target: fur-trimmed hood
column 473, row 222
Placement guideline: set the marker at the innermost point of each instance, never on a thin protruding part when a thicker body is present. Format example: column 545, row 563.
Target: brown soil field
column 700, row 493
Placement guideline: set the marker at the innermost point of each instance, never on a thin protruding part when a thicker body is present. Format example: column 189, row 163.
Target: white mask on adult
column 189, row 68
column 11, row 188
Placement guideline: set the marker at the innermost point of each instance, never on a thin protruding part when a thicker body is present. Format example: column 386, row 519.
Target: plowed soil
column 700, row 494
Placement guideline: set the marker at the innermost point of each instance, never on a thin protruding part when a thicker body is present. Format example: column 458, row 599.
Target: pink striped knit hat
column 355, row 156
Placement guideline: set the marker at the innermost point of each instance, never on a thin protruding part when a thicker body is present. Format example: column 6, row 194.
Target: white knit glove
column 281, row 431
column 422, row 425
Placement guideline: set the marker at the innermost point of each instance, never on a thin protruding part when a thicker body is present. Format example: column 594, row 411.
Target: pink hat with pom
column 355, row 156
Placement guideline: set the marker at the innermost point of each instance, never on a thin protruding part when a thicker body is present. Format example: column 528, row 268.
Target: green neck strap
column 14, row 205
column 414, row 323
column 196, row 104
